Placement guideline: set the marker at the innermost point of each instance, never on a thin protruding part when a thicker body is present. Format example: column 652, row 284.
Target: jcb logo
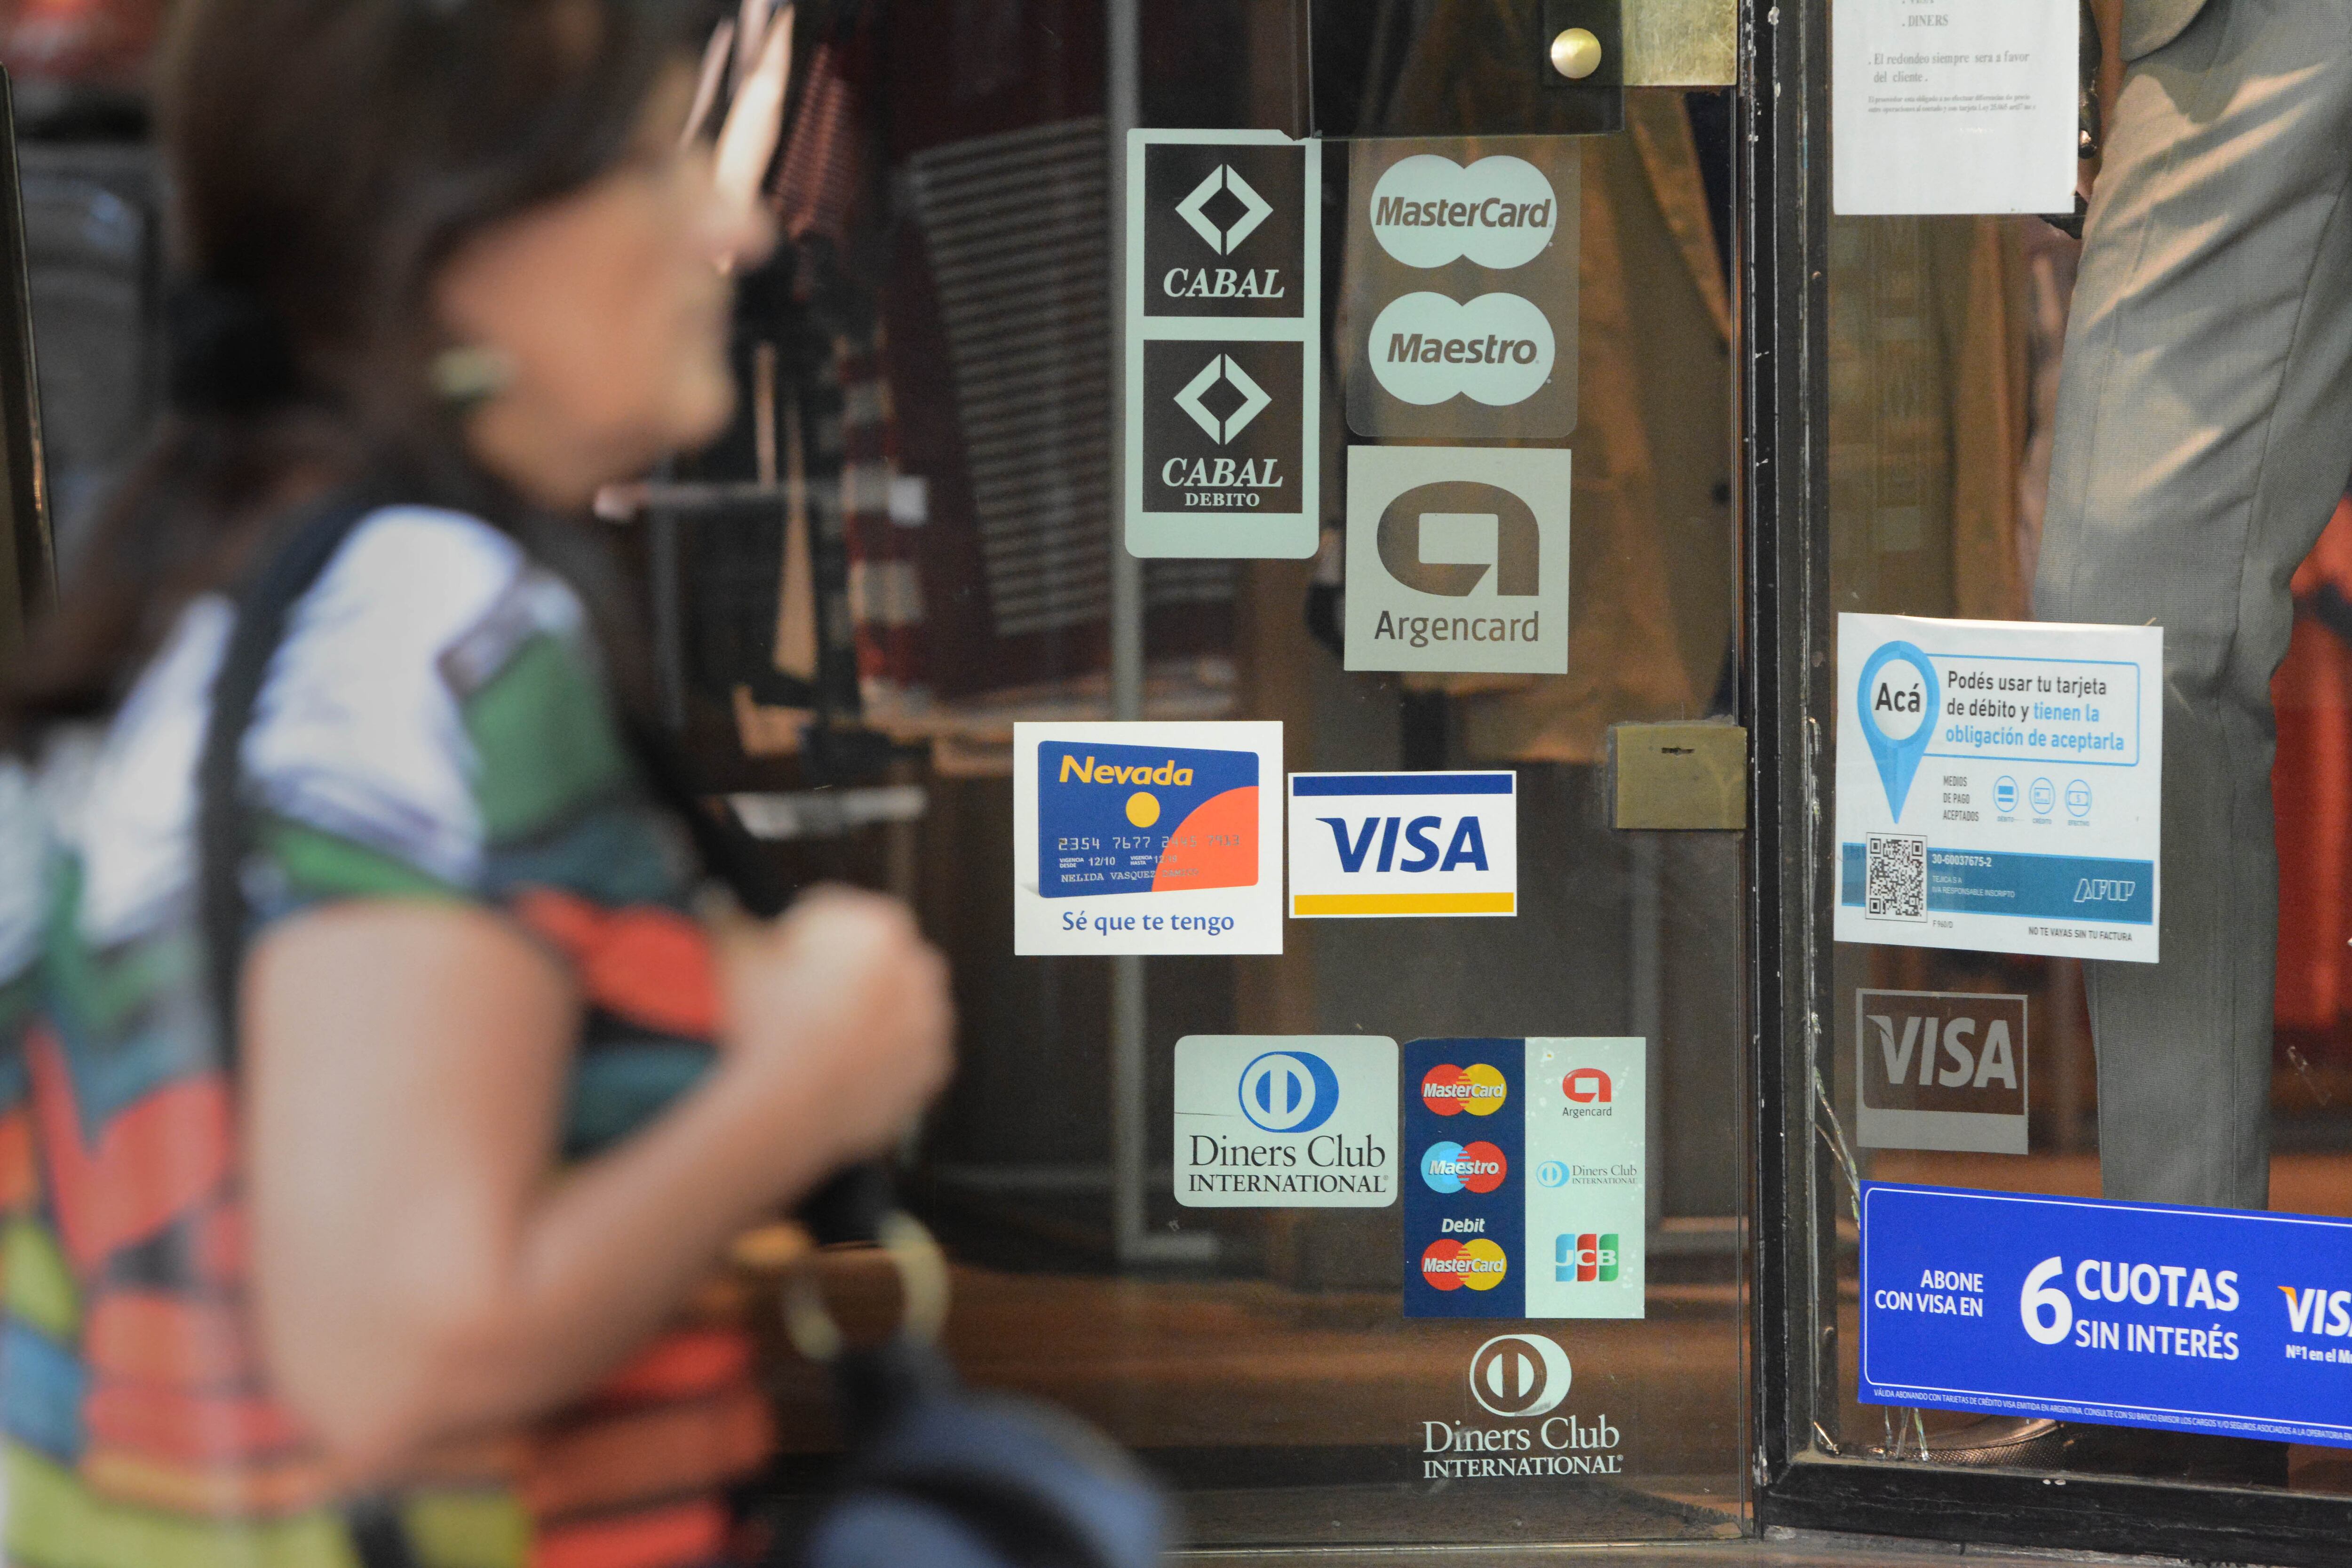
column 1585, row 1258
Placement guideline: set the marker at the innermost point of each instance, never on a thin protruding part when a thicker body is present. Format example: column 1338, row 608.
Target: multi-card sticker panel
column 1525, row 1184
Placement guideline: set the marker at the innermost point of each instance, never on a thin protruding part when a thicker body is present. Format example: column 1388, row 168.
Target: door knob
column 1575, row 53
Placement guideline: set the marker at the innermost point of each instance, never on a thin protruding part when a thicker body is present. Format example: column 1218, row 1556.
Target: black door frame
column 1799, row 1479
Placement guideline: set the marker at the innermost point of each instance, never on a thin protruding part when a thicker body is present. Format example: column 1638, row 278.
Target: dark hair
column 325, row 157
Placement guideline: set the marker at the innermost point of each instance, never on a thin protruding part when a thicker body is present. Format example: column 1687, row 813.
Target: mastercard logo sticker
column 1478, row 1088
column 1451, row 1167
column 1450, row 1265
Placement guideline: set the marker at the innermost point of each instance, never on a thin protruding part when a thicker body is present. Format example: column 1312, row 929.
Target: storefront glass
column 928, row 556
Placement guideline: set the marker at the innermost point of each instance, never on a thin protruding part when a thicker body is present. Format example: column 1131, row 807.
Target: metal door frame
column 1798, row 1479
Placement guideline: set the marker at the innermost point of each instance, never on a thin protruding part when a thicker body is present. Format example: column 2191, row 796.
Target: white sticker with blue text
column 1286, row 1121
column 1999, row 786
column 1374, row 845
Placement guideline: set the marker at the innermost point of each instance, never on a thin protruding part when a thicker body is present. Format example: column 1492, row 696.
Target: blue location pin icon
column 1899, row 700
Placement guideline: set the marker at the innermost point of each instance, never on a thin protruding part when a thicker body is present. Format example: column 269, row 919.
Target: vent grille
column 1018, row 227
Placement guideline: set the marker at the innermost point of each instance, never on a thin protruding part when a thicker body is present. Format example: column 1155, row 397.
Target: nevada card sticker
column 1146, row 838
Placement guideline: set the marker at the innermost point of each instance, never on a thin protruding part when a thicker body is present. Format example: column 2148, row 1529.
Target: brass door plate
column 1690, row 776
column 1682, row 43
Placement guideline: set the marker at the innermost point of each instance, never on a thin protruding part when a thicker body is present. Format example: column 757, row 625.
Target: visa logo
column 2315, row 1310
column 1466, row 846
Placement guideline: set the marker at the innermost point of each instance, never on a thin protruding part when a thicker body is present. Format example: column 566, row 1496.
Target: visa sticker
column 1144, row 819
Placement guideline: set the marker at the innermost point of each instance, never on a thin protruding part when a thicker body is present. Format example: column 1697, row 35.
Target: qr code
column 1894, row 876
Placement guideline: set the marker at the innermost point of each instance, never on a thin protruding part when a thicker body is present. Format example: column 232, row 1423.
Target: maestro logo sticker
column 1289, row 1091
column 1898, row 698
column 1428, row 211
column 1496, row 349
column 1476, row 1265
column 1518, row 1376
column 1451, row 1167
column 1449, row 1090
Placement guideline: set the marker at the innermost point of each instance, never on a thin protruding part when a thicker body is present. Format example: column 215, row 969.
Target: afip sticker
column 1368, row 846
column 1999, row 786
column 1148, row 838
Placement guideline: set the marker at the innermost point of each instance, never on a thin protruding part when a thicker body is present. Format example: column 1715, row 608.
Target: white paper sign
column 1955, row 106
column 1286, row 1121
column 1999, row 786
column 1367, row 846
column 1155, row 838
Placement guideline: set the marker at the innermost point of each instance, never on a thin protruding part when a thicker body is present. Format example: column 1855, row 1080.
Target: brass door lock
column 1689, row 777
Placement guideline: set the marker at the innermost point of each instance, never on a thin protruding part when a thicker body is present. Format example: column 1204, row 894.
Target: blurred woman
column 424, row 1231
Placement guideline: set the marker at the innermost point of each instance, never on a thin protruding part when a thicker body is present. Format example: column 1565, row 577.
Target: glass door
column 1501, row 1299
column 1911, row 385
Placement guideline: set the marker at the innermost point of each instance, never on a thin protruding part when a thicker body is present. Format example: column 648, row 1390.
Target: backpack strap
column 264, row 605
column 224, row 822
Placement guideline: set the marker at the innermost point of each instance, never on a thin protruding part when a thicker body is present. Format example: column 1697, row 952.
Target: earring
column 471, row 374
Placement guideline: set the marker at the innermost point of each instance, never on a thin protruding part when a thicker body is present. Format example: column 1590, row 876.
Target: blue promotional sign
column 2135, row 1314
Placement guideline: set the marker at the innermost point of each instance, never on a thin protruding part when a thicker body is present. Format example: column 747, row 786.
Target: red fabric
column 105, row 42
column 2312, row 788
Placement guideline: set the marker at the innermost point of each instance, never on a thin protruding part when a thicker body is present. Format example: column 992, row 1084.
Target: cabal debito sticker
column 1286, row 1121
column 1368, row 846
column 1224, row 312
column 2141, row 1314
column 1461, row 314
column 1146, row 838
column 1524, row 1193
column 1999, row 786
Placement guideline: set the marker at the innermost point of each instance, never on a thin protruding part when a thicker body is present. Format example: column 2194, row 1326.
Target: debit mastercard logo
column 1449, row 1265
column 1455, row 1167
column 1478, row 1088
column 1144, row 819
